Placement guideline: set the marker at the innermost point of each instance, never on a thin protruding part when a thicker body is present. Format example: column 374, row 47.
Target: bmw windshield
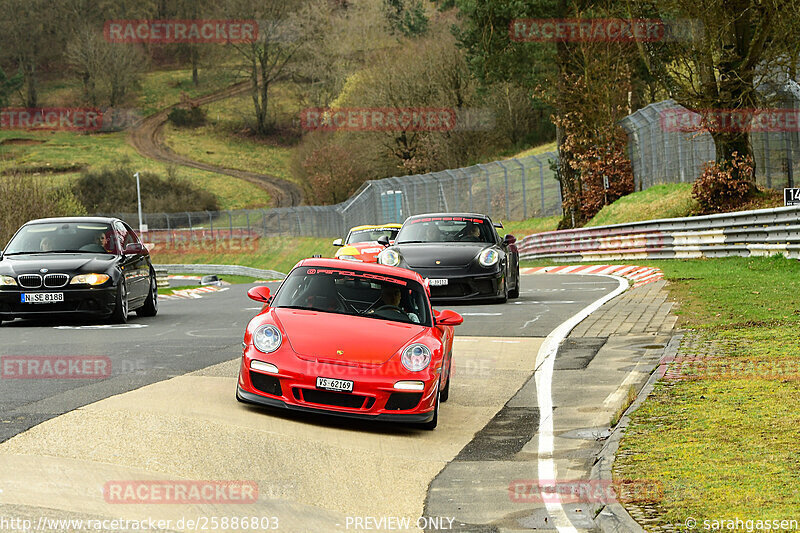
column 63, row 237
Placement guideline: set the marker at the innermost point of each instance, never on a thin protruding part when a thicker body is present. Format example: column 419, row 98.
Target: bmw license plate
column 437, row 282
column 339, row 385
column 41, row 297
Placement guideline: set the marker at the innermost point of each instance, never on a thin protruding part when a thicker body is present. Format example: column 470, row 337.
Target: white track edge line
column 545, row 360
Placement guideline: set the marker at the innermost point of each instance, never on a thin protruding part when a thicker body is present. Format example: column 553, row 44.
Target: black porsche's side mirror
column 384, row 241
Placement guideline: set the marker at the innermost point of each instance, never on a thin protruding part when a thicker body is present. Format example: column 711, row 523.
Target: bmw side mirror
column 384, row 241
column 133, row 248
column 338, row 242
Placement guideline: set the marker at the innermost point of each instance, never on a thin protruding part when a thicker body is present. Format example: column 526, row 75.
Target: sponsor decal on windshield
column 363, row 275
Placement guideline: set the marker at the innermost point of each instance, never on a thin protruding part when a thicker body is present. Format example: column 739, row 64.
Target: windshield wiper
column 412, row 242
column 39, row 252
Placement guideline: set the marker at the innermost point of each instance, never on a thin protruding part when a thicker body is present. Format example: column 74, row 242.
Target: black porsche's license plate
column 42, row 297
column 339, row 385
column 437, row 282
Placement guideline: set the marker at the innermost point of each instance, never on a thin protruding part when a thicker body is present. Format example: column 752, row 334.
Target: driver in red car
column 391, row 297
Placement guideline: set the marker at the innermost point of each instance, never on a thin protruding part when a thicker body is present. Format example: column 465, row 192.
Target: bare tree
column 284, row 29
column 726, row 50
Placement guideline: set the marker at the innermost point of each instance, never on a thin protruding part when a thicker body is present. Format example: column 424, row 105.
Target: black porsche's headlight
column 389, row 257
column 489, row 257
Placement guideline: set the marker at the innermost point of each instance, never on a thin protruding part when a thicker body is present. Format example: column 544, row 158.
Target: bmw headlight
column 416, row 357
column 7, row 281
column 89, row 279
column 267, row 338
column 489, row 257
column 389, row 257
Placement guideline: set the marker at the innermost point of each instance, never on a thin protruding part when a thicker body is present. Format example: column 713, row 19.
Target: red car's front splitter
column 369, row 400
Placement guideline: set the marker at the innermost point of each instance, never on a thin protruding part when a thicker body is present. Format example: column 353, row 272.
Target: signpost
column 791, row 196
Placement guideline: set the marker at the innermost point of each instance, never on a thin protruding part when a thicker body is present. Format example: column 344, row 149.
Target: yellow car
column 361, row 243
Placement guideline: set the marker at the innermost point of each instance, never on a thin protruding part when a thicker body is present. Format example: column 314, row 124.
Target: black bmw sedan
column 461, row 255
column 80, row 266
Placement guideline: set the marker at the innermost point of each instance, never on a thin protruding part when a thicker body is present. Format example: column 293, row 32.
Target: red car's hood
column 344, row 338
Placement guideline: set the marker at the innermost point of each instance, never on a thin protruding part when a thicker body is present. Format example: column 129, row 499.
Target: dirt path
column 147, row 138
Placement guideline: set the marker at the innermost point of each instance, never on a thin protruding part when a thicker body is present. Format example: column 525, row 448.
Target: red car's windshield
column 355, row 293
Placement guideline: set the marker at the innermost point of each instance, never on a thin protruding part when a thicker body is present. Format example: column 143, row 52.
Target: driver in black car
column 471, row 233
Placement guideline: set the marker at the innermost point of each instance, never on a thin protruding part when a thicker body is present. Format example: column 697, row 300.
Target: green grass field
column 40, row 150
column 727, row 447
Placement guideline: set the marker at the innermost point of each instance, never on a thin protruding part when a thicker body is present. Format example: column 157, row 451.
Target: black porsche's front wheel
column 120, row 314
column 150, row 307
column 514, row 293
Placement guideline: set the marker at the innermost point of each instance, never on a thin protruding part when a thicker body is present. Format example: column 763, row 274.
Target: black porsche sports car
column 461, row 255
column 80, row 266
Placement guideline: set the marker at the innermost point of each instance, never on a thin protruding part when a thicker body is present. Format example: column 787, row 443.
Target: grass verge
column 273, row 253
column 723, row 441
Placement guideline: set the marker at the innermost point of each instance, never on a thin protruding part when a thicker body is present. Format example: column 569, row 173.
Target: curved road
column 167, row 412
column 146, row 138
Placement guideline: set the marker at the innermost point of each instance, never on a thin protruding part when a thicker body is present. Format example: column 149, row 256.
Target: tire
column 431, row 425
column 514, row 293
column 120, row 314
column 150, row 307
column 444, row 394
column 504, row 298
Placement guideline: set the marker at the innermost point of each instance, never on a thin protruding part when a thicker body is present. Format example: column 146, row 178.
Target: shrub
column 724, row 186
column 193, row 117
column 113, row 190
column 24, row 198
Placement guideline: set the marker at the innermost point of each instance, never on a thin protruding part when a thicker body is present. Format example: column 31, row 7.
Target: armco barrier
column 743, row 233
column 230, row 270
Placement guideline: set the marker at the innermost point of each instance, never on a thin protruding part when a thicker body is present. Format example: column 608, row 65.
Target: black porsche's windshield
column 446, row 229
column 63, row 237
column 354, row 293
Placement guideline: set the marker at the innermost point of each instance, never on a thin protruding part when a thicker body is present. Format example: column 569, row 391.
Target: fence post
column 230, row 225
column 524, row 196
column 488, row 190
column 191, row 232
column 505, row 177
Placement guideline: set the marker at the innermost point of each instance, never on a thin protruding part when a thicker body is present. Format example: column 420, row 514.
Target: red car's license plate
column 339, row 385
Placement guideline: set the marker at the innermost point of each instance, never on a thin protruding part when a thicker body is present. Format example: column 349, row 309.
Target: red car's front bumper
column 373, row 396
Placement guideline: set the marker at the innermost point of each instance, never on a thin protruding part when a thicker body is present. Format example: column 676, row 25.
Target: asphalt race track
column 166, row 411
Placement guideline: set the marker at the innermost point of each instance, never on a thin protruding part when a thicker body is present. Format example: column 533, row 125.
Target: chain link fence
column 512, row 189
column 662, row 154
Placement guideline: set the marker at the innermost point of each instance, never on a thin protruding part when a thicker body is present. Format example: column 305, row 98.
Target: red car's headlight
column 267, row 338
column 416, row 357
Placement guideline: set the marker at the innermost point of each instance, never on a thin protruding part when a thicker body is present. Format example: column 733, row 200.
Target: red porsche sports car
column 358, row 340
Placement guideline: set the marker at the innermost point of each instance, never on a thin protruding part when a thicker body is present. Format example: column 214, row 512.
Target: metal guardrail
column 744, row 233
column 230, row 270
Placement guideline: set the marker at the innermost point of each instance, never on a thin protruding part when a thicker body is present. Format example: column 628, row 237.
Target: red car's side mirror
column 259, row 294
column 449, row 318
